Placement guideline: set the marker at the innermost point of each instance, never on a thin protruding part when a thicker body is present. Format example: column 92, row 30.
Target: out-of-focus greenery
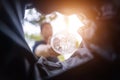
column 50, row 17
column 35, row 37
column 32, row 13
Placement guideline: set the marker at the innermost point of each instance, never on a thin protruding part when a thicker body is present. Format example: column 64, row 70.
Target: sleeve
column 37, row 43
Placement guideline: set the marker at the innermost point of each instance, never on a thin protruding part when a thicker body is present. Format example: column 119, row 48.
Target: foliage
column 34, row 37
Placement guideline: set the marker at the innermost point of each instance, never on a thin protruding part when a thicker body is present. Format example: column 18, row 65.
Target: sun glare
column 74, row 23
column 70, row 23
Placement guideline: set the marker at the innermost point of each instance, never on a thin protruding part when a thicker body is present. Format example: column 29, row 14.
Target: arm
column 44, row 50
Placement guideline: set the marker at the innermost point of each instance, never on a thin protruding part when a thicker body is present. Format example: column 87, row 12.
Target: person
column 43, row 47
column 54, row 61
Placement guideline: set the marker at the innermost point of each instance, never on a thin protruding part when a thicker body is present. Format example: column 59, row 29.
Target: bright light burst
column 72, row 24
column 61, row 24
column 69, row 24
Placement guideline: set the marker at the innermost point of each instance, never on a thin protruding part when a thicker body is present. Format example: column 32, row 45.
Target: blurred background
column 59, row 22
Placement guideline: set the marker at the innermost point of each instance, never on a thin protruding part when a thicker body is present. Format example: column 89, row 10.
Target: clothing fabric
column 37, row 43
column 16, row 58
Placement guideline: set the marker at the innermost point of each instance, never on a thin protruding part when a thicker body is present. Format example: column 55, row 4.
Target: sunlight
column 74, row 23
column 61, row 24
column 67, row 27
column 58, row 24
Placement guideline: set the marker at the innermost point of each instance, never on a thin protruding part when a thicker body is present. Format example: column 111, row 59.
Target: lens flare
column 66, row 39
column 74, row 23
